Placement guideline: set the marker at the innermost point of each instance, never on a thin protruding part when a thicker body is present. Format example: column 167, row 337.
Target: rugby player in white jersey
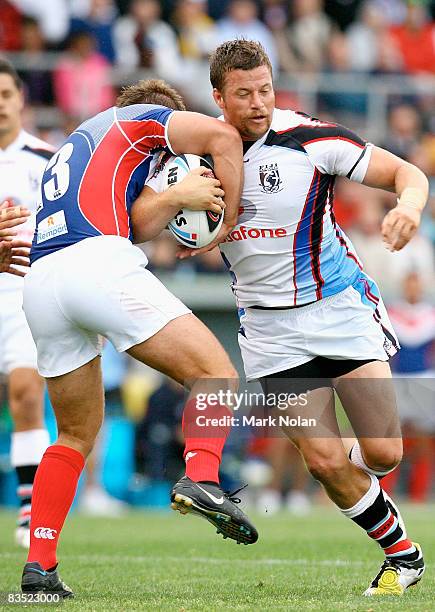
column 311, row 319
column 22, row 161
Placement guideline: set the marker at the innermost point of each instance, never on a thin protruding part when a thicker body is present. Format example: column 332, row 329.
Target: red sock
column 420, row 479
column 205, row 440
column 53, row 493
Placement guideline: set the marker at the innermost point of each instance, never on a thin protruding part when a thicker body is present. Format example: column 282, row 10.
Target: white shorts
column 97, row 287
column 348, row 325
column 17, row 347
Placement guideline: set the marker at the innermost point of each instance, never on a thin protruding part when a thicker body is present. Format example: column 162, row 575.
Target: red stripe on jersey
column 313, row 271
column 333, row 138
column 307, row 125
column 102, row 201
column 307, row 199
column 136, row 131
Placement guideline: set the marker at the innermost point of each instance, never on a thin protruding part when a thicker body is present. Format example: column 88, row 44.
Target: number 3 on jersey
column 58, row 184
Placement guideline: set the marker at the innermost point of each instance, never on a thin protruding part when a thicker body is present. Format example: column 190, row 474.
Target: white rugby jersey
column 22, row 165
column 287, row 248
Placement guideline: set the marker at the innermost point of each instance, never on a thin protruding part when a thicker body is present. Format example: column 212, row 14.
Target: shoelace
column 230, row 496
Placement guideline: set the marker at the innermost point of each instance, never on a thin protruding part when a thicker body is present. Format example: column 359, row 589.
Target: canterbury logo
column 44, row 533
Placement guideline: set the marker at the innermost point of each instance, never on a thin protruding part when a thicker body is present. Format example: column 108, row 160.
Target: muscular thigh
column 185, row 349
column 368, row 398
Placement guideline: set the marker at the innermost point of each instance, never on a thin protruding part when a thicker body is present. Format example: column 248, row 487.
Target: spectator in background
column 286, row 464
column 37, row 81
column 158, row 437
column 308, row 34
column 366, row 238
column 98, row 20
column 10, row 26
column 415, row 40
column 52, row 15
column 413, row 319
column 404, row 130
column 82, row 79
column 162, row 253
column 197, row 38
column 95, row 500
column 338, row 63
column 242, row 21
column 275, row 16
column 343, row 12
column 143, row 40
column 387, row 269
column 195, row 29
column 365, row 37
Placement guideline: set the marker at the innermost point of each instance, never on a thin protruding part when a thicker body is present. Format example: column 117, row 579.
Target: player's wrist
column 414, row 198
column 173, row 199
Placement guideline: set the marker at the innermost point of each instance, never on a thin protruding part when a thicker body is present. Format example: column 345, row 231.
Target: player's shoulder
column 141, row 112
column 303, row 129
column 36, row 147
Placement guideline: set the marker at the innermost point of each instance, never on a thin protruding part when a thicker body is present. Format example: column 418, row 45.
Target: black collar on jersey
column 247, row 144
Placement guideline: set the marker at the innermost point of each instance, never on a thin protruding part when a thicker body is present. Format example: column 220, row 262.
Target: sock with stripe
column 204, row 443
column 357, row 459
column 27, row 448
column 53, row 493
column 26, row 476
column 373, row 514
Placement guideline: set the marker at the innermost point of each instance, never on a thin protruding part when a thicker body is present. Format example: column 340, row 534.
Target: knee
column 224, row 371
column 385, row 457
column 26, row 405
column 327, row 469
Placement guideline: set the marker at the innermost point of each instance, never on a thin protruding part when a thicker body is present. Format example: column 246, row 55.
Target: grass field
column 167, row 562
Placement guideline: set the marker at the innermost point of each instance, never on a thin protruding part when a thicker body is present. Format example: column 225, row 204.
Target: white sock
column 366, row 500
column 357, row 459
column 27, row 447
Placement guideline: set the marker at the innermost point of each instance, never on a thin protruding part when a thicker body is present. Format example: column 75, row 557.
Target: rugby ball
column 192, row 228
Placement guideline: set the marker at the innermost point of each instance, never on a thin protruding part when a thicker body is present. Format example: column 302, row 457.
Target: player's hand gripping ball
column 192, row 228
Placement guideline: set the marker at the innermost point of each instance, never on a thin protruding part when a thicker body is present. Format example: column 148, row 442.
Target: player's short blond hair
column 239, row 54
column 151, row 91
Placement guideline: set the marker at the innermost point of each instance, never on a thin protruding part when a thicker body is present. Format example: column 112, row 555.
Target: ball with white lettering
column 192, row 228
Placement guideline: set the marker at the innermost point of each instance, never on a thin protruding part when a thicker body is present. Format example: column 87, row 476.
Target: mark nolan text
column 253, row 421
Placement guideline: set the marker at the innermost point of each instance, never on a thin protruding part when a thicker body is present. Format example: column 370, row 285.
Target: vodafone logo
column 45, row 533
column 244, row 233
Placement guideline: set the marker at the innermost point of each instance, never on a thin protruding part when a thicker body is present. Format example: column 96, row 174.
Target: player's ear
column 218, row 98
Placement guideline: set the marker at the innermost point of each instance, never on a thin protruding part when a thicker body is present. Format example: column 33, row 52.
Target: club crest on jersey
column 270, row 181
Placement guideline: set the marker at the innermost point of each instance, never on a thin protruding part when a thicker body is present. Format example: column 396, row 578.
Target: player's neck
column 7, row 138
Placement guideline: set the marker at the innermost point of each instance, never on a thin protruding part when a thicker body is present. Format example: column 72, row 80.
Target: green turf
column 146, row 561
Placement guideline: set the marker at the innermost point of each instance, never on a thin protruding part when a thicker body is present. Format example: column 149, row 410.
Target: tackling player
column 22, row 161
column 307, row 310
column 87, row 280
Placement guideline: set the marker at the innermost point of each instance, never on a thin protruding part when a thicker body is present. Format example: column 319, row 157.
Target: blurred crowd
column 74, row 55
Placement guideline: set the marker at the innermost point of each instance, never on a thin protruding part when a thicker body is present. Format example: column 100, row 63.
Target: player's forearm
column 152, row 212
column 412, row 187
column 227, row 152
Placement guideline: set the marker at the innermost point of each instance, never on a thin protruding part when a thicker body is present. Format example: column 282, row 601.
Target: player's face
column 247, row 101
column 11, row 105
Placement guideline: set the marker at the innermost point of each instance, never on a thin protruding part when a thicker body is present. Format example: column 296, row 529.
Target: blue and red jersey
column 92, row 181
